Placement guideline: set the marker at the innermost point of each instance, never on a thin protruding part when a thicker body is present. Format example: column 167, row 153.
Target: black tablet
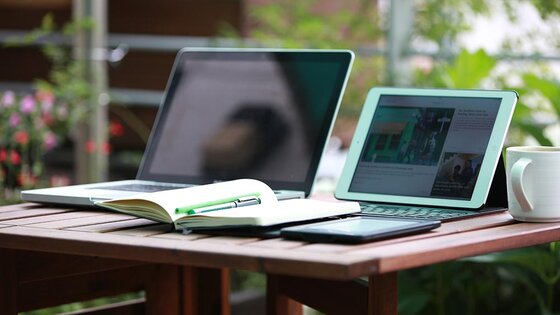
column 357, row 229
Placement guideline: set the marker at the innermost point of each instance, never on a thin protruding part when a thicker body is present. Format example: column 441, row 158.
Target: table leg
column 163, row 291
column 383, row 297
column 205, row 291
column 378, row 296
column 8, row 287
column 277, row 302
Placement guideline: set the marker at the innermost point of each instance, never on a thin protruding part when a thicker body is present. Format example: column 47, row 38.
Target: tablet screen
column 425, row 146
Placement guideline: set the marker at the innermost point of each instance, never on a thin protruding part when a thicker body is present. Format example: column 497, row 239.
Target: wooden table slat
column 81, row 221
column 156, row 228
column 29, row 213
column 173, row 235
column 230, row 240
column 19, row 207
column 113, row 226
column 277, row 243
column 48, row 217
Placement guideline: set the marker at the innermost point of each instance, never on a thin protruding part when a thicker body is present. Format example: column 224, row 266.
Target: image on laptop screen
column 425, row 146
column 262, row 115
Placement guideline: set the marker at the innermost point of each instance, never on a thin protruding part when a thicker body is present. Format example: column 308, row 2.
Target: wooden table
column 70, row 254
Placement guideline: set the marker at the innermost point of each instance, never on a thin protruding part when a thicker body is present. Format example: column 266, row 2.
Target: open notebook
column 233, row 113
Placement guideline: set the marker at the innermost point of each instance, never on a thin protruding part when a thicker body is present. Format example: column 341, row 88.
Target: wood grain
column 32, row 212
column 80, row 221
column 38, row 266
column 326, row 296
column 49, row 217
column 382, row 294
column 154, row 229
column 113, row 226
column 277, row 300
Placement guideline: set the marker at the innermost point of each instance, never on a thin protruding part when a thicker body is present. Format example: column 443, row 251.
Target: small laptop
column 233, row 113
column 427, row 153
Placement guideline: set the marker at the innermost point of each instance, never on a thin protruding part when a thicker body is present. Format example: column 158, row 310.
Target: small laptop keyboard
column 140, row 187
column 414, row 212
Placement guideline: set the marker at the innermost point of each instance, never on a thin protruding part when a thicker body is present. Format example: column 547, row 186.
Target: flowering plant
column 31, row 125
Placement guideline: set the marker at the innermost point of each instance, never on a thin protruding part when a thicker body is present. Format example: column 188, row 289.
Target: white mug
column 533, row 183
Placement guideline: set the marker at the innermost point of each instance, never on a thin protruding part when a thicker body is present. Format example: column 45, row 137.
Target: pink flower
column 47, row 100
column 27, row 104
column 14, row 120
column 8, row 99
column 50, row 141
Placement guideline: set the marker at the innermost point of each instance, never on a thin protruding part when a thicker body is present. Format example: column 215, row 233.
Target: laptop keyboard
column 141, row 187
column 414, row 212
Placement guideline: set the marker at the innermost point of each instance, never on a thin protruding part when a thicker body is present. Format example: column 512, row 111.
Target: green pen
column 221, row 204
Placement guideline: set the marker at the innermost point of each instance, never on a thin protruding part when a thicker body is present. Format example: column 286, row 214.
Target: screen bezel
column 489, row 163
column 343, row 57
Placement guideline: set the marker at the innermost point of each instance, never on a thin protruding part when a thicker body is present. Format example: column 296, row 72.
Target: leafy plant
column 67, row 78
column 312, row 24
column 537, row 268
column 28, row 131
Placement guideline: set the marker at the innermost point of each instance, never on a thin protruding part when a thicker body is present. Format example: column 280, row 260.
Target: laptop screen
column 257, row 114
column 425, row 146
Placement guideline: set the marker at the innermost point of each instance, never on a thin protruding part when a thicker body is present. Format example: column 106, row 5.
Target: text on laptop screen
column 425, row 146
column 258, row 115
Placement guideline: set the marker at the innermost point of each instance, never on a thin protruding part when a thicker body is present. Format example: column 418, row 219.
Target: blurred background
column 81, row 81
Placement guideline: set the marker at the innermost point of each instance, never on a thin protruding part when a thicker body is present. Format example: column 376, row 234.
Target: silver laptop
column 427, row 153
column 233, row 113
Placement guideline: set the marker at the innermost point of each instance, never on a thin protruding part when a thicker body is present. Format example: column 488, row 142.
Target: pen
column 222, row 205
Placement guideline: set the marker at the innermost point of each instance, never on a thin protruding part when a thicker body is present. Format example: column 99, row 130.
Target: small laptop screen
column 263, row 115
column 425, row 146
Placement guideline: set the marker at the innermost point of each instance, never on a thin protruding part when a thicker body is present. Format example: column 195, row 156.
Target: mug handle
column 517, row 171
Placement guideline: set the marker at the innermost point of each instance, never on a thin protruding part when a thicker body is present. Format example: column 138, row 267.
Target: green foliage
column 309, row 23
column 537, row 268
column 441, row 21
column 467, row 71
column 303, row 23
column 547, row 8
column 67, row 76
column 549, row 89
column 471, row 286
column 472, row 70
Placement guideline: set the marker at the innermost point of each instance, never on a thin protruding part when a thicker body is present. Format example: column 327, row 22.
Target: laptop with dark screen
column 264, row 114
column 428, row 153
